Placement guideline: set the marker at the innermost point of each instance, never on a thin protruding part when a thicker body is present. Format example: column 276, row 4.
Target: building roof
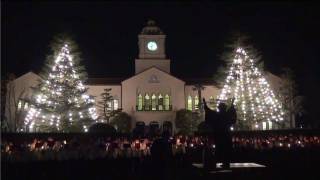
column 203, row 81
column 27, row 76
column 117, row 81
column 188, row 81
column 154, row 67
column 151, row 29
column 105, row 81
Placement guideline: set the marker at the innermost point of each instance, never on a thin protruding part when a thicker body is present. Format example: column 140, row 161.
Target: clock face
column 152, row 46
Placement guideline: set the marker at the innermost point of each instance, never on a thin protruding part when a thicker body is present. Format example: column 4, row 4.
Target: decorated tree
column 105, row 105
column 185, row 122
column 292, row 101
column 60, row 102
column 199, row 88
column 122, row 122
column 255, row 102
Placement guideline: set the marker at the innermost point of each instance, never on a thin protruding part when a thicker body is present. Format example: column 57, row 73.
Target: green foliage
column 55, row 45
column 204, row 128
column 199, row 88
column 242, row 78
column 236, row 39
column 62, row 89
column 105, row 105
column 292, row 102
column 102, row 128
column 74, row 128
column 186, row 121
column 122, row 122
column 4, row 125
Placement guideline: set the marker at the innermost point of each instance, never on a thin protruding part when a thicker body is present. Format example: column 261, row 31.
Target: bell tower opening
column 151, row 42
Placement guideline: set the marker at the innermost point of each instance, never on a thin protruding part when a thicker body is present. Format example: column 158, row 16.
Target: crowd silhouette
column 215, row 147
column 121, row 147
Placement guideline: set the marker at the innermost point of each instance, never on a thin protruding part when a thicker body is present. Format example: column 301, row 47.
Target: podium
column 238, row 170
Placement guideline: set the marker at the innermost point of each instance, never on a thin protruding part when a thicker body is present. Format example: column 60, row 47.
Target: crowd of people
column 277, row 141
column 107, row 147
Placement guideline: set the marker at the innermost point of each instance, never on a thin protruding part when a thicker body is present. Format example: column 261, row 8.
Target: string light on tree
column 61, row 100
column 254, row 99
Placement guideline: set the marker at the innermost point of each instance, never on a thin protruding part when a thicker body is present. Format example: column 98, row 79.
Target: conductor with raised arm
column 209, row 159
column 221, row 124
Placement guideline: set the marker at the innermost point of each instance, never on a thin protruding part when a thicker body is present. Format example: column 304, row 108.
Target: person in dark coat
column 221, row 122
column 161, row 159
column 227, row 117
column 210, row 115
column 232, row 113
column 208, row 157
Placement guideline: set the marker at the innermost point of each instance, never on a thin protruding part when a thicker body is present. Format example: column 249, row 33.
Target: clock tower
column 152, row 49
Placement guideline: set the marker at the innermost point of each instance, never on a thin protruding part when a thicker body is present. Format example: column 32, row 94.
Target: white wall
column 143, row 64
column 127, row 91
column 274, row 81
column 140, row 84
column 96, row 90
column 208, row 91
column 17, row 89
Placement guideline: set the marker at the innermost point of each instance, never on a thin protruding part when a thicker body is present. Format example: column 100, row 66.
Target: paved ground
column 279, row 165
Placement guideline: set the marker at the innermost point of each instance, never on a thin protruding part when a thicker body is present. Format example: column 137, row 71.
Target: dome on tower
column 151, row 29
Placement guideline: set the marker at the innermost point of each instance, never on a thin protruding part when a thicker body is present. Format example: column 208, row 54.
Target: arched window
column 167, row 102
column 140, row 102
column 115, row 104
column 211, row 102
column 109, row 106
column 153, row 102
column 264, row 125
column 196, row 102
column 147, row 102
column 19, row 105
column 26, row 105
column 160, row 102
column 189, row 103
column 269, row 124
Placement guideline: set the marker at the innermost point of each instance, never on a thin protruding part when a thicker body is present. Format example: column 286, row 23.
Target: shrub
column 184, row 122
column 122, row 122
column 102, row 128
column 204, row 128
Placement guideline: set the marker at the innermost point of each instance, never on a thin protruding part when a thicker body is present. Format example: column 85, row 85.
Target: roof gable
column 27, row 76
column 153, row 68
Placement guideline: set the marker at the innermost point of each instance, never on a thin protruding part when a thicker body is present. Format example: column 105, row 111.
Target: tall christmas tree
column 254, row 100
column 60, row 102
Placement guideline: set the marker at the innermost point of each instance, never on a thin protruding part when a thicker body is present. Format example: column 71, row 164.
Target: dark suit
column 224, row 138
column 211, row 116
column 221, row 123
column 209, row 159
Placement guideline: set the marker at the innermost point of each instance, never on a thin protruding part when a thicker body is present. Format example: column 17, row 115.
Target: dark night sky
column 287, row 34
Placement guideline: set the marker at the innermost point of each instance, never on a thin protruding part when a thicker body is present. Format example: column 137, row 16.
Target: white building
column 151, row 94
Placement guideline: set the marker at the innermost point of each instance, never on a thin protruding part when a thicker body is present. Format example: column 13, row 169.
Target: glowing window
column 109, row 106
column 115, row 104
column 167, row 102
column 196, row 102
column 160, row 102
column 140, row 102
column 19, row 105
column 153, row 102
column 189, row 103
column 270, row 125
column 264, row 125
column 147, row 102
column 26, row 105
column 211, row 103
